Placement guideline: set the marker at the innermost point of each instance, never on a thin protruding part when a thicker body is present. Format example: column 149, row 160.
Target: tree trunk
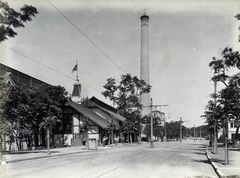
column 0, row 148
column 36, row 139
column 130, row 139
column 48, row 140
column 112, row 136
column 43, row 138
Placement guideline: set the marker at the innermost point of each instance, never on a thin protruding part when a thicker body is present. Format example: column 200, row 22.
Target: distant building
column 232, row 127
column 13, row 77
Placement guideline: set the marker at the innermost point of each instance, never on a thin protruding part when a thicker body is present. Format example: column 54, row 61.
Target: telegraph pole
column 181, row 122
column 200, row 134
column 151, row 141
column 151, row 116
column 194, row 133
column 215, row 119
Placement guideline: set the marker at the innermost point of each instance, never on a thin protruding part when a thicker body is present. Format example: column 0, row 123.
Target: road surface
column 167, row 160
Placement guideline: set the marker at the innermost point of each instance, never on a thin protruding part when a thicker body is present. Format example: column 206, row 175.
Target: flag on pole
column 75, row 68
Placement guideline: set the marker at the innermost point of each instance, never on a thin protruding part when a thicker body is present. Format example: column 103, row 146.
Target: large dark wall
column 19, row 77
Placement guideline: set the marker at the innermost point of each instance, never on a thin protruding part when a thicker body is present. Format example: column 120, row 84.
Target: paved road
column 166, row 160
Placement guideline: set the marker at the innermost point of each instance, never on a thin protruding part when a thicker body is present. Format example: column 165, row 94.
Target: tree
column 4, row 126
column 9, row 19
column 18, row 113
column 27, row 109
column 214, row 115
column 48, row 107
column 126, row 97
column 173, row 130
column 238, row 18
column 229, row 59
column 111, row 127
column 158, row 130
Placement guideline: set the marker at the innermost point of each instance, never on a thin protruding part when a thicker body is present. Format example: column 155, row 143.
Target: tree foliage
column 126, row 97
column 228, row 98
column 4, row 126
column 127, row 93
column 27, row 109
column 10, row 19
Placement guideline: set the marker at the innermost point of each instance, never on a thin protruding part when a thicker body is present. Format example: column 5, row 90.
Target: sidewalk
column 232, row 170
column 17, row 156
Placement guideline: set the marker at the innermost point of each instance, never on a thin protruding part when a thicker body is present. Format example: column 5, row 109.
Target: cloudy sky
column 104, row 36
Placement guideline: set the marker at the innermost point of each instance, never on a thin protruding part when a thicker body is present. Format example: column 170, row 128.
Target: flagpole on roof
column 77, row 72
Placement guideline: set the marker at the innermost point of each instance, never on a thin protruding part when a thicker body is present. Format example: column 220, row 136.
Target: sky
column 104, row 36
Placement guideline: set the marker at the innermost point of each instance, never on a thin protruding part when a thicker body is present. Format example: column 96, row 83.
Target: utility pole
column 165, row 129
column 200, row 133
column 215, row 119
column 194, row 132
column 151, row 116
column 151, row 141
column 181, row 122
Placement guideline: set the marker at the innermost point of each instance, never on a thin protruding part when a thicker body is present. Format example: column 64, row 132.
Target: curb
column 47, row 156
column 215, row 167
column 51, row 155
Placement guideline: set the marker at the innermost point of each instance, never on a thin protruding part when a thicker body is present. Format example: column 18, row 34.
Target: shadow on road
column 199, row 153
column 201, row 161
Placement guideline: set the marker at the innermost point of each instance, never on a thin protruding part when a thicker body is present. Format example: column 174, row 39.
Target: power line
column 86, row 37
column 49, row 67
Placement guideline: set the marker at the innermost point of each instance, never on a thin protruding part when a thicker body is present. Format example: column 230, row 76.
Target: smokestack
column 144, row 70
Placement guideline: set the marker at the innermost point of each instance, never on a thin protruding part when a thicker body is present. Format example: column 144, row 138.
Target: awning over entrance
column 90, row 114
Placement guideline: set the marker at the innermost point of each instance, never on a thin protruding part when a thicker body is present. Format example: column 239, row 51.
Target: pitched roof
column 90, row 114
column 76, row 90
column 102, row 104
column 113, row 114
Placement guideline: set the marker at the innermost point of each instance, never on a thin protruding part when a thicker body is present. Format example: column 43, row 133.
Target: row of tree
column 166, row 131
column 26, row 110
column 224, row 105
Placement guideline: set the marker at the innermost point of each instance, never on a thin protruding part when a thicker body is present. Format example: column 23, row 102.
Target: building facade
column 78, row 114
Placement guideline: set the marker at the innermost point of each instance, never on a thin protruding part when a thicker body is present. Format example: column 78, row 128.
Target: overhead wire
column 48, row 67
column 86, row 37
